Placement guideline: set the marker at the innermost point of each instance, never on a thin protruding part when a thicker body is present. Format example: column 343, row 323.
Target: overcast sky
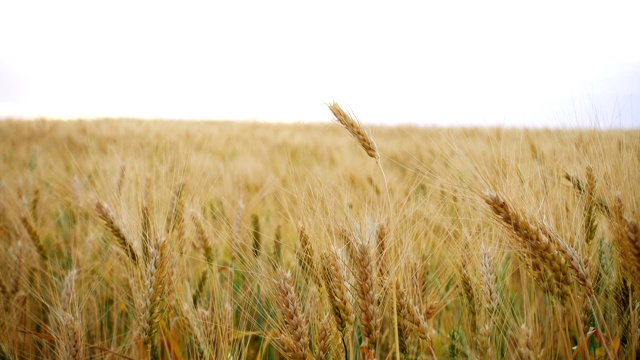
column 553, row 63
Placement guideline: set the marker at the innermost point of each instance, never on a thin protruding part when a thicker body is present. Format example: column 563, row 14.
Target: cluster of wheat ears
column 477, row 249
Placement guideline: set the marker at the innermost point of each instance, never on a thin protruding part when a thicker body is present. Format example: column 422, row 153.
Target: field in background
column 125, row 239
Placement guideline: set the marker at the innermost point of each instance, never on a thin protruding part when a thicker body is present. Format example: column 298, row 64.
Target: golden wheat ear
column 306, row 256
column 489, row 300
column 627, row 241
column 549, row 266
column 366, row 282
column 156, row 289
column 35, row 238
column 109, row 219
column 335, row 280
column 356, row 130
column 296, row 341
column 71, row 342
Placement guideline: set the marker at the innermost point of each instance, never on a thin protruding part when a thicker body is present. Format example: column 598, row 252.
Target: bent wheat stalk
column 354, row 128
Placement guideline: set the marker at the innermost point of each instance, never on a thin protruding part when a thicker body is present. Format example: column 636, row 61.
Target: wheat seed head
column 354, row 128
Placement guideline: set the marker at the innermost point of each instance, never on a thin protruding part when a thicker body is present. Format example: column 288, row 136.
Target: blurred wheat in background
column 190, row 240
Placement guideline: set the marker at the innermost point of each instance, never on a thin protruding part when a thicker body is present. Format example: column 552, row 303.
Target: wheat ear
column 412, row 320
column 489, row 294
column 146, row 230
column 581, row 188
column 366, row 288
column 355, row 129
column 306, row 256
column 628, row 241
column 68, row 290
column 277, row 246
column 105, row 213
column 335, row 280
column 578, row 264
column 323, row 339
column 157, row 284
column 297, row 339
column 203, row 237
column 468, row 288
column 236, row 246
column 205, row 244
column 5, row 291
column 121, row 177
column 590, row 220
column 174, row 215
column 35, row 238
column 72, row 341
column 549, row 267
column 525, row 344
column 381, row 246
column 256, row 235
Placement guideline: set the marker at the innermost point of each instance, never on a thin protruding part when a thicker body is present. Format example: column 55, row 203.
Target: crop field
column 123, row 239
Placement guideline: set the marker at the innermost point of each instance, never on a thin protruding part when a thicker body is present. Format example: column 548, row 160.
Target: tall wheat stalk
column 356, row 130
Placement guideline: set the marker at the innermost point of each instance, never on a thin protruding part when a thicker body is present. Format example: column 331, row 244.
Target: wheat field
column 125, row 239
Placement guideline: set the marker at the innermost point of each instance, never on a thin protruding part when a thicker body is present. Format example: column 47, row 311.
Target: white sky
column 439, row 62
